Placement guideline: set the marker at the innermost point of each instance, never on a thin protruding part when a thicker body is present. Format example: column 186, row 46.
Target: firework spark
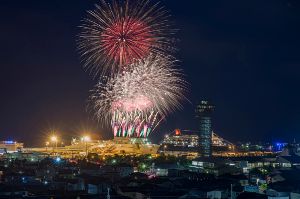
column 152, row 83
column 148, row 90
column 114, row 35
column 134, row 124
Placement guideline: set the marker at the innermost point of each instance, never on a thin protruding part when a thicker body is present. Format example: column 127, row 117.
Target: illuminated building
column 186, row 143
column 119, row 145
column 128, row 146
column 10, row 146
column 204, row 111
column 184, row 140
column 216, row 166
column 180, row 144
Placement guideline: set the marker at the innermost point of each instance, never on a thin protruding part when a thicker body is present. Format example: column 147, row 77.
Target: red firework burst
column 114, row 35
column 127, row 40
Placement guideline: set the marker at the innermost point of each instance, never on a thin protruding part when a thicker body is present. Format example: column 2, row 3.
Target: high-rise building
column 204, row 111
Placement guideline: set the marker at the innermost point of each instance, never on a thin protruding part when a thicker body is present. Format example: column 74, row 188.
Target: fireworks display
column 134, row 123
column 114, row 35
column 129, row 42
column 138, row 98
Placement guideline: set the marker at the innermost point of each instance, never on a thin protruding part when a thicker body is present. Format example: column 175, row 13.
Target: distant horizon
column 67, row 141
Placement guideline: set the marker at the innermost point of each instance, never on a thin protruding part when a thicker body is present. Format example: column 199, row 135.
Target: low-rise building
column 288, row 161
column 10, row 146
column 216, row 166
column 248, row 163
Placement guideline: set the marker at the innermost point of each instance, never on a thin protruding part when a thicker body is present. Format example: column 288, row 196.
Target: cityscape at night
column 146, row 99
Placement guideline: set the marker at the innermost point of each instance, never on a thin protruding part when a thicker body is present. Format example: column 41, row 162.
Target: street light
column 54, row 140
column 86, row 139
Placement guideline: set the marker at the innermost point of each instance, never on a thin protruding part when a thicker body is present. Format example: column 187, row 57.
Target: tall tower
column 204, row 111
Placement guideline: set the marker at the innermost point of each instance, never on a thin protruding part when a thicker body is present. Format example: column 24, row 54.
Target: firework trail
column 114, row 35
column 134, row 124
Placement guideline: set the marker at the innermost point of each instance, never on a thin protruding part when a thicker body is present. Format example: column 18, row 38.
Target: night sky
column 244, row 56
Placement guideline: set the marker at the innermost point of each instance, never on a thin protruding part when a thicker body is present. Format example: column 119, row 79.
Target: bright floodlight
column 54, row 138
column 86, row 138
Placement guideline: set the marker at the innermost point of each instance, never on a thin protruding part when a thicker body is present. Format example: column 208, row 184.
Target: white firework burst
column 149, row 84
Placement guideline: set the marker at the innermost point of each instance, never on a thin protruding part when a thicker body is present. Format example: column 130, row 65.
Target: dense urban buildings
column 135, row 168
column 53, row 173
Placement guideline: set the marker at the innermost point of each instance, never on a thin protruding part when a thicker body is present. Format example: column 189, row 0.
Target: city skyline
column 245, row 63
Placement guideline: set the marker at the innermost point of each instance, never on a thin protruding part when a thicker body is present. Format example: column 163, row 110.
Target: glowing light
column 9, row 142
column 86, row 138
column 177, row 132
column 57, row 159
column 53, row 138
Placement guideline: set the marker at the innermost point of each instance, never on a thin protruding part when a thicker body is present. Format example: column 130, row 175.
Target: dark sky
column 242, row 55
